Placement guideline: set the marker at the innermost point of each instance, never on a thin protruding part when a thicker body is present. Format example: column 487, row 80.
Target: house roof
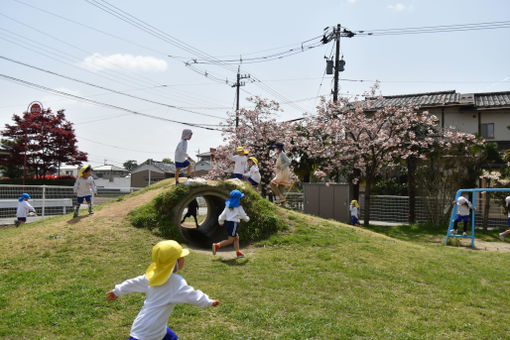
column 446, row 98
column 108, row 167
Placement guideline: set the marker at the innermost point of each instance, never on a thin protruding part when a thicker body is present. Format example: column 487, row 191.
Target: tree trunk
column 355, row 187
column 411, row 188
column 366, row 215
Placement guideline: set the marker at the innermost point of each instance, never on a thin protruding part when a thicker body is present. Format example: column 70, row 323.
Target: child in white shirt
column 163, row 290
column 463, row 206
column 182, row 159
column 253, row 174
column 354, row 209
column 232, row 214
column 240, row 162
column 84, row 188
column 23, row 209
column 507, row 209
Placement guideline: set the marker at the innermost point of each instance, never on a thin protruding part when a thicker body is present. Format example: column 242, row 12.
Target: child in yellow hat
column 354, row 209
column 163, row 290
column 84, row 188
column 253, row 174
column 240, row 163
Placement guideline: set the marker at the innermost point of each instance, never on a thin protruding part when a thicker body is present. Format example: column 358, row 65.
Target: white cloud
column 98, row 62
column 399, row 7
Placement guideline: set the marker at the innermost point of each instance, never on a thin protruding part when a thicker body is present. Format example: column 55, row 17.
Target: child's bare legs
column 503, row 234
column 276, row 190
column 189, row 170
column 230, row 240
column 177, row 171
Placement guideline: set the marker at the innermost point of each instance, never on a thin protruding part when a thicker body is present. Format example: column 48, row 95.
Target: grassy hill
column 318, row 280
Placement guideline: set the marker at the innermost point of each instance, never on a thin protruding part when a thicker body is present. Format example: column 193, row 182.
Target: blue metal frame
column 454, row 213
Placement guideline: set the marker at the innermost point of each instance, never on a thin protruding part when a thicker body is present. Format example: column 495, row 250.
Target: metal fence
column 48, row 197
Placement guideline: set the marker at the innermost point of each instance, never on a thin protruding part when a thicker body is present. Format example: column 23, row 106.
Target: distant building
column 69, row 170
column 482, row 114
column 151, row 171
column 109, row 172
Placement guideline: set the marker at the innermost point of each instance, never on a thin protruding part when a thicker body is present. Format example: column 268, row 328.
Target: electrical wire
column 65, row 94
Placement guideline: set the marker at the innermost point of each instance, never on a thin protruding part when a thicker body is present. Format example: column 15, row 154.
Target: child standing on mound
column 23, row 209
column 253, row 174
column 232, row 214
column 163, row 290
column 354, row 209
column 463, row 206
column 84, row 188
column 282, row 172
column 507, row 209
column 240, row 162
column 182, row 160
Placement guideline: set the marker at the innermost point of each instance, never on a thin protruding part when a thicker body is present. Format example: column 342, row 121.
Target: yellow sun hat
column 246, row 152
column 84, row 169
column 254, row 160
column 354, row 202
column 240, row 148
column 164, row 255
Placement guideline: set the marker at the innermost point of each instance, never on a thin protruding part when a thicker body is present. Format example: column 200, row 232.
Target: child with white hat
column 163, row 289
column 507, row 209
column 463, row 206
column 182, row 159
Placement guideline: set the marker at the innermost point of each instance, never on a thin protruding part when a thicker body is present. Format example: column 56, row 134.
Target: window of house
column 488, row 130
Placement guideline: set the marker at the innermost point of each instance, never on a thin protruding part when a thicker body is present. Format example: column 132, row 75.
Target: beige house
column 150, row 172
column 483, row 114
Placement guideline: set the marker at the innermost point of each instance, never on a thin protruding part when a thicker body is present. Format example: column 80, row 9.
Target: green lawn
column 318, row 280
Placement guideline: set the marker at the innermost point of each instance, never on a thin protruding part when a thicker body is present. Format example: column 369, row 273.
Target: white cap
column 462, row 200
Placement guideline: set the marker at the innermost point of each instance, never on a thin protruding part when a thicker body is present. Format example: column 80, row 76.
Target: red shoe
column 240, row 255
column 214, row 248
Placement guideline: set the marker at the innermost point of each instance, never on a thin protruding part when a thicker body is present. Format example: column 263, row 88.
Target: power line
column 62, row 93
column 436, row 29
column 107, row 89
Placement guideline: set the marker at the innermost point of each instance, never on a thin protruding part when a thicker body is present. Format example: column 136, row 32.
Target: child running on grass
column 182, row 160
column 507, row 209
column 163, row 290
column 192, row 211
column 232, row 214
column 463, row 206
column 23, row 209
column 253, row 174
column 354, row 209
column 240, row 162
column 84, row 188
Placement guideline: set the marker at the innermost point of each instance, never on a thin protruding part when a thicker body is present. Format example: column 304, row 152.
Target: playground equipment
column 473, row 214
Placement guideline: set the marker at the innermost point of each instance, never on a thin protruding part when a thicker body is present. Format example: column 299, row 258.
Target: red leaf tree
column 43, row 140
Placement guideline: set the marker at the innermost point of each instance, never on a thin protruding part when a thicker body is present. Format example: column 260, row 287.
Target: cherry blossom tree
column 258, row 130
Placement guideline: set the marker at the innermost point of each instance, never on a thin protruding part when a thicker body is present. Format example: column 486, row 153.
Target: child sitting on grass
column 233, row 214
column 163, row 290
column 23, row 209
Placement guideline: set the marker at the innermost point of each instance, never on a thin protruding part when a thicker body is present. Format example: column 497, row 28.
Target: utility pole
column 238, row 84
column 336, row 34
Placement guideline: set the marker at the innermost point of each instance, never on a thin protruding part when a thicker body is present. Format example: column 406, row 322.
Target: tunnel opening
column 207, row 230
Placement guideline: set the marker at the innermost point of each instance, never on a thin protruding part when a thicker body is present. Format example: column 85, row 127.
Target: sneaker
column 214, row 248
column 16, row 223
column 239, row 255
column 453, row 231
column 76, row 213
column 91, row 211
column 502, row 236
column 464, row 234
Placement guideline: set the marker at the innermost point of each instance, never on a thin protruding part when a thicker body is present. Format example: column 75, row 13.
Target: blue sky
column 52, row 35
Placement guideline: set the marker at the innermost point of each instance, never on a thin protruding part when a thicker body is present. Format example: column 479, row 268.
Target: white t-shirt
column 462, row 208
column 233, row 215
column 240, row 165
column 254, row 173
column 23, row 208
column 151, row 322
column 84, row 187
column 354, row 211
column 181, row 151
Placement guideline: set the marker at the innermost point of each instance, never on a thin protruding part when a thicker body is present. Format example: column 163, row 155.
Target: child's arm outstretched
column 187, row 294
column 138, row 284
column 242, row 214
column 222, row 217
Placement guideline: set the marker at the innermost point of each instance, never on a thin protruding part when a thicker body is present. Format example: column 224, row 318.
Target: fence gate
column 327, row 200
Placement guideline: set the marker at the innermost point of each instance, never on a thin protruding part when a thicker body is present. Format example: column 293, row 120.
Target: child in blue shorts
column 84, row 188
column 463, row 206
column 507, row 209
column 354, row 209
column 240, row 163
column 182, row 160
column 232, row 214
column 253, row 174
column 23, row 209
